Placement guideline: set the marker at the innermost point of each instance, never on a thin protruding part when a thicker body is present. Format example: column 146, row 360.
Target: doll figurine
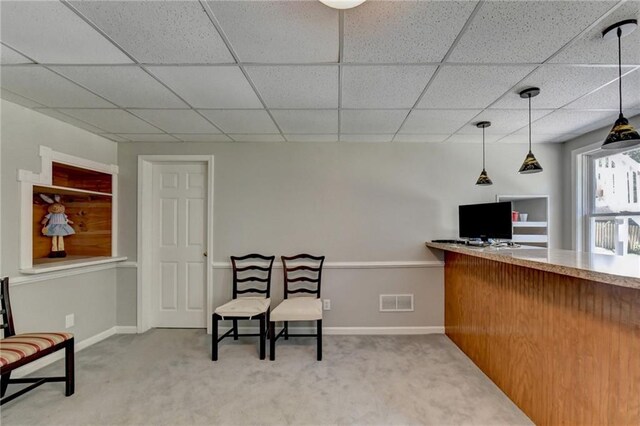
column 56, row 225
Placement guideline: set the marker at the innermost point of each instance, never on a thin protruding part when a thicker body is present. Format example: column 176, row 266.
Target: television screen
column 485, row 221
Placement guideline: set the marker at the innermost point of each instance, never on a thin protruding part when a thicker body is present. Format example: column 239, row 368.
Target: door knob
column 205, row 254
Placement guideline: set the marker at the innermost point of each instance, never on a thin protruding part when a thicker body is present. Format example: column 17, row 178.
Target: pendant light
column 530, row 164
column 484, row 177
column 342, row 4
column 622, row 134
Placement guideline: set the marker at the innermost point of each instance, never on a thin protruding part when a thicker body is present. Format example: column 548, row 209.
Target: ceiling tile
column 420, row 138
column 17, row 99
column 401, row 31
column 209, row 86
column 160, row 32
column 176, row 120
column 371, row 121
column 592, row 49
column 522, row 136
column 503, row 121
column 257, row 138
column 505, row 31
column 114, row 138
column 128, row 87
column 421, row 122
column 312, row 138
column 559, row 85
column 307, row 121
column 112, row 120
column 477, row 138
column 383, row 86
column 50, row 32
column 68, row 119
column 188, row 137
column 296, row 86
column 366, row 138
column 608, row 98
column 279, row 31
column 567, row 121
column 471, row 86
column 241, row 121
column 48, row 88
column 10, row 56
column 148, row 137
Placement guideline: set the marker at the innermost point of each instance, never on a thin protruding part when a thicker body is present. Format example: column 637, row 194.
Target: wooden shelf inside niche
column 64, row 175
column 91, row 214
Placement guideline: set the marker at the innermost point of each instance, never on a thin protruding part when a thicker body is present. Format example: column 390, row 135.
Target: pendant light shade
column 530, row 164
column 484, row 179
column 342, row 4
column 622, row 134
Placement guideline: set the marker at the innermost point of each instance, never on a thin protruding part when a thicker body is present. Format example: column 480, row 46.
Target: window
column 613, row 217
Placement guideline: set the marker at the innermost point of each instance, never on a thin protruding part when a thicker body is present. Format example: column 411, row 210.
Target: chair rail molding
column 389, row 264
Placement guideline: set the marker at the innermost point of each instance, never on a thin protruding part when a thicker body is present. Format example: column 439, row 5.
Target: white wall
column 350, row 202
column 43, row 305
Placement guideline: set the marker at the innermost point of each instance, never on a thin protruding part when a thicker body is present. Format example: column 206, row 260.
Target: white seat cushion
column 244, row 307
column 298, row 309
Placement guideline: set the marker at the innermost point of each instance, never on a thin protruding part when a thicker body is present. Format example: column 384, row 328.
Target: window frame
column 585, row 233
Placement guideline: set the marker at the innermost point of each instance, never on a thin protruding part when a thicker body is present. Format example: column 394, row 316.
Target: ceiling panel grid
column 297, row 71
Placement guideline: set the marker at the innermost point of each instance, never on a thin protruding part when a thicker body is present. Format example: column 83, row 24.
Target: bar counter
column 604, row 268
column 558, row 331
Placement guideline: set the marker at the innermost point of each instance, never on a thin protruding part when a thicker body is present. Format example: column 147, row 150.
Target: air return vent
column 396, row 302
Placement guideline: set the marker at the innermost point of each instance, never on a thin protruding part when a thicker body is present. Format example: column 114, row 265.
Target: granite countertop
column 608, row 269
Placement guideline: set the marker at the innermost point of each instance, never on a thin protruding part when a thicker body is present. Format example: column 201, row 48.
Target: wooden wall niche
column 91, row 216
column 87, row 197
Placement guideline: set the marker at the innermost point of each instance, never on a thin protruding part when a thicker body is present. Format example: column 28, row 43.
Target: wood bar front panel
column 565, row 350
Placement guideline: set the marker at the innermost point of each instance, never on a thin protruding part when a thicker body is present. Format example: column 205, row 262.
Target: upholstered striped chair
column 306, row 270
column 17, row 350
column 251, row 275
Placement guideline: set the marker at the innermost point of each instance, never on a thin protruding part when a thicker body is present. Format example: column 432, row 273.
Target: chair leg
column 263, row 337
column 235, row 329
column 268, row 324
column 286, row 330
column 4, row 383
column 69, row 362
column 319, row 331
column 272, row 343
column 214, row 337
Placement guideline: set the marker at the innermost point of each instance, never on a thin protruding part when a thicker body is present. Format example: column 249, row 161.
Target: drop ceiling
column 298, row 71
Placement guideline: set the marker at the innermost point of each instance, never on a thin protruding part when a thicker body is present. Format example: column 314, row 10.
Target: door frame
column 145, row 233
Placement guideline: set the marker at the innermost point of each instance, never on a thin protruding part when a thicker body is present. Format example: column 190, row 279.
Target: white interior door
column 180, row 270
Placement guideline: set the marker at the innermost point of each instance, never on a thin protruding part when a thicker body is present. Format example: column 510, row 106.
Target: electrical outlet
column 326, row 304
column 69, row 320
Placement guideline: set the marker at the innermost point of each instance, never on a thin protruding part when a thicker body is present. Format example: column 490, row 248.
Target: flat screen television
column 485, row 221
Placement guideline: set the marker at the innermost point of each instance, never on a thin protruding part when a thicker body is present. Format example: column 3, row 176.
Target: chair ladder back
column 312, row 266
column 252, row 268
column 5, row 309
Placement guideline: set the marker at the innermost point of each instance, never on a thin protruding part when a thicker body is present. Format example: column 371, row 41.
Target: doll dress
column 57, row 225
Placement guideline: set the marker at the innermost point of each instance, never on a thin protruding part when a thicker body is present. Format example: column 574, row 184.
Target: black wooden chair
column 17, row 350
column 255, row 269
column 302, row 268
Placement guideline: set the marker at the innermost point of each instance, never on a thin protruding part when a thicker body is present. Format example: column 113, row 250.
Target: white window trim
column 581, row 178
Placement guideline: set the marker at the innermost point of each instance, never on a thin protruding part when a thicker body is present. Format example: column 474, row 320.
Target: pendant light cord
column 620, row 68
column 483, row 148
column 529, row 96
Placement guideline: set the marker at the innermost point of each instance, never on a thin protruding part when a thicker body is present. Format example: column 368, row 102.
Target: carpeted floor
column 166, row 377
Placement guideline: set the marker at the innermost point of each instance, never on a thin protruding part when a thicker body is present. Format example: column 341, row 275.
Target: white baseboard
column 50, row 359
column 388, row 331
column 352, row 331
column 126, row 329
